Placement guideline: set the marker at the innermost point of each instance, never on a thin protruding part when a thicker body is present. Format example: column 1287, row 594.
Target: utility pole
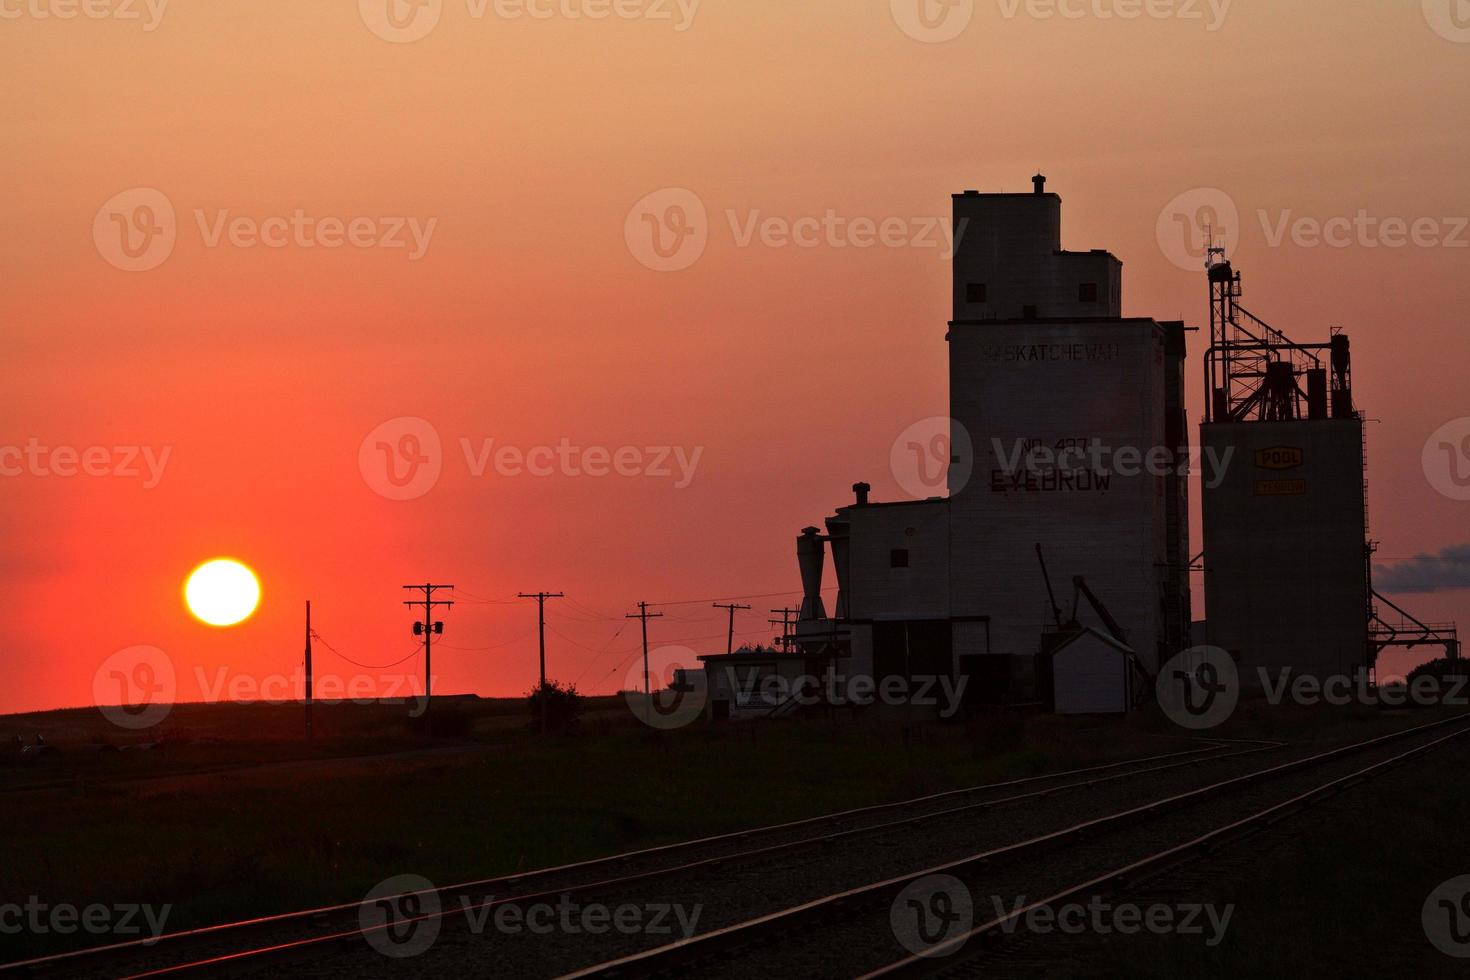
column 730, row 637
column 308, row 668
column 541, row 598
column 428, row 628
column 644, row 615
column 786, row 622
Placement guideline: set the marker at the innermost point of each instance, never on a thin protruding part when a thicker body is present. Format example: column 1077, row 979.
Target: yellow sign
column 1280, row 458
column 1281, row 488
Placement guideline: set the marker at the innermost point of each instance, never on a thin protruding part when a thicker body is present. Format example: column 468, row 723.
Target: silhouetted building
column 1287, row 556
column 1067, row 420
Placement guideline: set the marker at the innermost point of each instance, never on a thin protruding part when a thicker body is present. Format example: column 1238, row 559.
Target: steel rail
column 728, row 938
column 312, row 918
column 933, row 960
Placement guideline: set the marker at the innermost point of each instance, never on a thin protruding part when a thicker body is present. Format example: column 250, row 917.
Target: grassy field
column 234, row 814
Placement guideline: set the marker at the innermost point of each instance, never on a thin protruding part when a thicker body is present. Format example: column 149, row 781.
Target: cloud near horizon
column 1446, row 571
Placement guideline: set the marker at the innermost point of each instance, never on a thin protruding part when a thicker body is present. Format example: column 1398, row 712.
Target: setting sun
column 222, row 592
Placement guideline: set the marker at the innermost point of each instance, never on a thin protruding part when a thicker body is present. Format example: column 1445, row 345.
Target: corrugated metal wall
column 1285, row 563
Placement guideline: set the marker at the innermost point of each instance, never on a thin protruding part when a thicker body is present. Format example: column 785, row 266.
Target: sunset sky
column 517, row 146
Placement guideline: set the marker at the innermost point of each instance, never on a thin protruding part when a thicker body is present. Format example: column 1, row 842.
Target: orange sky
column 528, row 321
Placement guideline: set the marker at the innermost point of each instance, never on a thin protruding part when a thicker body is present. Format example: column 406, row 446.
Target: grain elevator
column 1067, row 431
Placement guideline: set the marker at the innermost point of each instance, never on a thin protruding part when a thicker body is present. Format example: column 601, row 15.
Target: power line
column 763, row 595
column 600, row 654
column 464, row 596
column 494, row 646
column 322, row 640
column 587, row 610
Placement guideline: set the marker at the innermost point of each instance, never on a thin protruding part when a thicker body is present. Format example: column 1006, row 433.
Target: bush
column 1452, row 679
column 554, row 707
column 1441, row 668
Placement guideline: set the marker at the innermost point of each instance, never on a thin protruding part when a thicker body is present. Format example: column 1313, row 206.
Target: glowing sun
column 222, row 592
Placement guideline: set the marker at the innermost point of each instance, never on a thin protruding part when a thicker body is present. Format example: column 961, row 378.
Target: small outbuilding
column 1093, row 673
column 760, row 683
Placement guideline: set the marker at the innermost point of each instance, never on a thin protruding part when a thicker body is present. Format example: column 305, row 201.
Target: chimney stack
column 1039, row 182
column 862, row 490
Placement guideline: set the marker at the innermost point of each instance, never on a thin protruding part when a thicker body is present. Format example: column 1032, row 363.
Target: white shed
column 1093, row 674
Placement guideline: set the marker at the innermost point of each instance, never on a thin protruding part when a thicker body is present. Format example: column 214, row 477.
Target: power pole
column 786, row 622
column 541, row 623
column 308, row 668
column 730, row 637
column 541, row 598
column 428, row 628
column 644, row 615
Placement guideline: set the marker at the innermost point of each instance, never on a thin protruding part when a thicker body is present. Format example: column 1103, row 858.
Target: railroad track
column 990, row 938
column 266, row 941
column 850, row 932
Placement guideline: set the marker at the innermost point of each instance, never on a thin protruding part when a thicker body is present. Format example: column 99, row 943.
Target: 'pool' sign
column 1280, row 458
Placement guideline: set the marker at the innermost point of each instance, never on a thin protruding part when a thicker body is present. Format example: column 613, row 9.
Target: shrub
column 1452, row 677
column 554, row 707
